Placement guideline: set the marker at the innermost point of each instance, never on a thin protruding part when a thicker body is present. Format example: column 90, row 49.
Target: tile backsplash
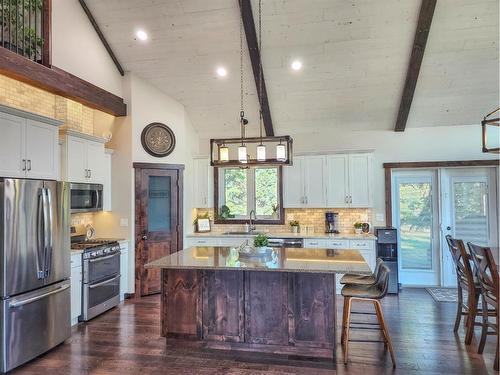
column 307, row 217
column 82, row 219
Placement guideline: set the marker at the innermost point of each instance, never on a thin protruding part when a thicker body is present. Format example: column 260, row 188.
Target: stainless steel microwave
column 86, row 197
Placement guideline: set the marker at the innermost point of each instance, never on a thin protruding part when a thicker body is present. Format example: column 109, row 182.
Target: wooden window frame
column 281, row 219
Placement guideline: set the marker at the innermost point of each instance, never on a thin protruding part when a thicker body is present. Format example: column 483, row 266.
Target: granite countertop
column 273, row 260
column 326, row 236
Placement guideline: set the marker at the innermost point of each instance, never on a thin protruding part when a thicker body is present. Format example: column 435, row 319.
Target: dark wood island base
column 288, row 313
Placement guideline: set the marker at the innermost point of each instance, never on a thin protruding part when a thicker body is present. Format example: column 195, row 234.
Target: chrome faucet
column 251, row 225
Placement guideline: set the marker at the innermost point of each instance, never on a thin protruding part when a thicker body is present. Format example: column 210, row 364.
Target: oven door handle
column 104, row 258
column 104, row 282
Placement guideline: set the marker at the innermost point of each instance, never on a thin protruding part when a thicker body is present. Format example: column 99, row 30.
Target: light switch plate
column 123, row 222
column 379, row 217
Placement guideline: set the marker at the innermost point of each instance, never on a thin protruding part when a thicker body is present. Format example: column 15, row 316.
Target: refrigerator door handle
column 36, row 298
column 40, row 236
column 49, row 230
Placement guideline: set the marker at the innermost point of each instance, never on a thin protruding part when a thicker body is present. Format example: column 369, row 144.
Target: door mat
column 448, row 295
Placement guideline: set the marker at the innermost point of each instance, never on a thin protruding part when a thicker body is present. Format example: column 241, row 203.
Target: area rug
column 443, row 294
column 447, row 295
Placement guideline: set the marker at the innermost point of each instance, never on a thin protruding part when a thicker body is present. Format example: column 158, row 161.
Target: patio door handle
column 448, row 228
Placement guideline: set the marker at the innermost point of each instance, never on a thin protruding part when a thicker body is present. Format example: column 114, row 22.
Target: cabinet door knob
column 90, row 173
column 144, row 238
column 24, row 164
column 29, row 164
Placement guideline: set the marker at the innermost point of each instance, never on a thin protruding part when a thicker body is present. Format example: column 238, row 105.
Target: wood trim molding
column 417, row 55
column 280, row 221
column 101, row 36
column 255, row 58
column 158, row 166
column 388, row 167
column 443, row 164
column 29, row 115
column 60, row 82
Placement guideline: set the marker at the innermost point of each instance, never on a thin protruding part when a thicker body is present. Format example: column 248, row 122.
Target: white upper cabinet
column 360, row 180
column 314, row 181
column 83, row 159
column 42, row 148
column 303, row 182
column 337, row 188
column 28, row 147
column 336, row 181
column 293, row 189
column 203, row 184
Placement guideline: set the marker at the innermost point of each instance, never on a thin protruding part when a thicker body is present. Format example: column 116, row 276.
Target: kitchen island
column 277, row 301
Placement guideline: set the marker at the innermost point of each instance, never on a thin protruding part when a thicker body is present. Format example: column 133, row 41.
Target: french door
column 415, row 213
column 469, row 211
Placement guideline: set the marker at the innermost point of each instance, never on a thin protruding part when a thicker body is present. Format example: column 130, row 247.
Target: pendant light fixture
column 281, row 152
column 261, row 148
column 491, row 131
column 223, row 153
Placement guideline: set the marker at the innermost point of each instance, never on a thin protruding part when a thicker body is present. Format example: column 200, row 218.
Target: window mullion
column 251, row 189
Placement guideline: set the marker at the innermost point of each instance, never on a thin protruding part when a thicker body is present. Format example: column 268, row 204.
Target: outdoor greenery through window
column 244, row 190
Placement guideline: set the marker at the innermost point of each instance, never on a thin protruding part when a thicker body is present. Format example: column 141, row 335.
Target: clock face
column 158, row 139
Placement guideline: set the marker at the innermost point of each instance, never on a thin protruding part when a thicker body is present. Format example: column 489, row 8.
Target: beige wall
column 77, row 49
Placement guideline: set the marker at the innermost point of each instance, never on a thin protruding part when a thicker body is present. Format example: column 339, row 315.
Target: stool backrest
column 461, row 259
column 377, row 267
column 487, row 273
column 382, row 282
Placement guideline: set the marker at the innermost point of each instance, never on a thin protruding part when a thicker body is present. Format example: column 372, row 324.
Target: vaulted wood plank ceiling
column 355, row 54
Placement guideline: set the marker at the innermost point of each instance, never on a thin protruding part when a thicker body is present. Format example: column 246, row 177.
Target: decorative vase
column 261, row 249
column 295, row 229
column 275, row 216
column 357, row 230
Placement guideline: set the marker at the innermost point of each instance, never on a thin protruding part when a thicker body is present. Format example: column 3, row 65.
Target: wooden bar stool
column 465, row 280
column 368, row 293
column 356, row 279
column 487, row 275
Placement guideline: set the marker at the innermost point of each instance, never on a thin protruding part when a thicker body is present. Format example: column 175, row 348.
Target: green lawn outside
column 416, row 249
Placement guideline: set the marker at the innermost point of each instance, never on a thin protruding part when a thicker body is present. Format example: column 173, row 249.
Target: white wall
column 417, row 144
column 145, row 104
column 77, row 49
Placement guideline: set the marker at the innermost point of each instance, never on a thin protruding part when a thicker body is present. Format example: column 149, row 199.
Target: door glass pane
column 415, row 205
column 266, row 190
column 159, row 204
column 235, row 191
column 470, row 201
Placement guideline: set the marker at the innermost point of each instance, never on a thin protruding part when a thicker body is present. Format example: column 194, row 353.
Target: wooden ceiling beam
column 102, row 37
column 59, row 82
column 417, row 55
column 253, row 49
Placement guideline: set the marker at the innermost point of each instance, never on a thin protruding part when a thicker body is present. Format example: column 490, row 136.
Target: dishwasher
column 286, row 242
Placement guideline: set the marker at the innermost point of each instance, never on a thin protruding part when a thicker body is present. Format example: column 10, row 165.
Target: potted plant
column 260, row 242
column 275, row 208
column 358, row 227
column 294, row 224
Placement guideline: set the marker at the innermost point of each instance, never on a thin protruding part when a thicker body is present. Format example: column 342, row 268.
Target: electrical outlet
column 124, row 222
column 379, row 217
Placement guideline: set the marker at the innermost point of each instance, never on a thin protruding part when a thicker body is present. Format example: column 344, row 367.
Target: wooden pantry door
column 158, row 220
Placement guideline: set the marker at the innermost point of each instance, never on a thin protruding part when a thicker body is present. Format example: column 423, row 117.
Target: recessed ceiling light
column 296, row 65
column 141, row 35
column 221, row 72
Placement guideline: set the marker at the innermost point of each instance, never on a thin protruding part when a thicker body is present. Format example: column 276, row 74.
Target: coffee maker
column 332, row 222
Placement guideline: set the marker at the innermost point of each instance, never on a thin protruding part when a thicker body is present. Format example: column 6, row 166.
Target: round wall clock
column 158, row 139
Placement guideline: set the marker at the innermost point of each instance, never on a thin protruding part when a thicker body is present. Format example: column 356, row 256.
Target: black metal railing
column 24, row 28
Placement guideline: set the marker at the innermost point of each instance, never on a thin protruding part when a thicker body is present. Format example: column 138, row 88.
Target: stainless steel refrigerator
column 34, row 268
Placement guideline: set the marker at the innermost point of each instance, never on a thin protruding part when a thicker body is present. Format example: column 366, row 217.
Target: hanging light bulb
column 223, row 153
column 261, row 152
column 280, row 152
column 242, row 154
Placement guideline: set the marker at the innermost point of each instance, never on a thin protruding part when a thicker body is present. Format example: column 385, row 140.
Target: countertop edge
column 368, row 237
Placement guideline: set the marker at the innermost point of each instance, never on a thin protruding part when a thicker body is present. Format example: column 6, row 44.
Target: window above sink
column 239, row 191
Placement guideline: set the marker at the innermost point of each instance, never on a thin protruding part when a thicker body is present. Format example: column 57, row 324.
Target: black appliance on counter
column 332, row 222
column 387, row 249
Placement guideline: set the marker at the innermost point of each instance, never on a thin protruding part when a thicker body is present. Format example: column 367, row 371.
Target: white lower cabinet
column 217, row 241
column 123, row 269
column 76, row 287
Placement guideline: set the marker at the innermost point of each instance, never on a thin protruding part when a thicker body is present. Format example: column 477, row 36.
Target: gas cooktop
column 92, row 244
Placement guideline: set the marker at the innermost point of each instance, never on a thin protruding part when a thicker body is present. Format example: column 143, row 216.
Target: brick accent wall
column 20, row 95
column 314, row 218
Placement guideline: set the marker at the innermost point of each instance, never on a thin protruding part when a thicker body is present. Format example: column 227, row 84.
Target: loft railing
column 25, row 28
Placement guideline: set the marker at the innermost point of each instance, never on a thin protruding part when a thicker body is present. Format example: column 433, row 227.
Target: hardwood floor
column 127, row 340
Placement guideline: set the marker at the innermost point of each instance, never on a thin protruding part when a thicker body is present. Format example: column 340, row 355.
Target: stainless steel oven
column 101, row 278
column 86, row 197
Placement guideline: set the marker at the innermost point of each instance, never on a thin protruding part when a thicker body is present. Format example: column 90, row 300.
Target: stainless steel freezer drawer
column 33, row 323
